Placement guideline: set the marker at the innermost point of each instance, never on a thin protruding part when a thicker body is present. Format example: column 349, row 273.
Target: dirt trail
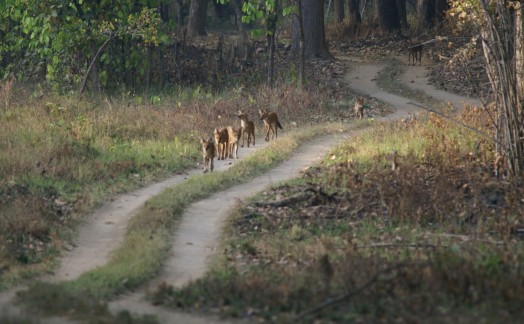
column 417, row 79
column 105, row 229
column 197, row 237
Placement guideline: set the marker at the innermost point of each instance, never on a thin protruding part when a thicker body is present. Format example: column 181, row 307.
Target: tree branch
column 84, row 82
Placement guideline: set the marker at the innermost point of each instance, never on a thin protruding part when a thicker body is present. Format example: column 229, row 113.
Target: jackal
column 246, row 126
column 359, row 107
column 271, row 122
column 234, row 137
column 221, row 142
column 208, row 153
column 415, row 52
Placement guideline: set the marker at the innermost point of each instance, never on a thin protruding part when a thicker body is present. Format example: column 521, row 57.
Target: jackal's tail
column 279, row 125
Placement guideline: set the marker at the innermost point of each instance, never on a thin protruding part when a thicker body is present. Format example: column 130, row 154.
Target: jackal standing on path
column 221, row 142
column 415, row 52
column 271, row 122
column 208, row 153
column 246, row 126
column 359, row 107
column 234, row 138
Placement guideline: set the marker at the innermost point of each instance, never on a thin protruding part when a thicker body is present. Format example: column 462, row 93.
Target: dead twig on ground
column 399, row 245
column 375, row 278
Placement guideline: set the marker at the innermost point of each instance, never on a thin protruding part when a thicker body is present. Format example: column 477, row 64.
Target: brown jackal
column 415, row 52
column 359, row 107
column 234, row 138
column 246, row 126
column 221, row 142
column 271, row 122
column 208, row 153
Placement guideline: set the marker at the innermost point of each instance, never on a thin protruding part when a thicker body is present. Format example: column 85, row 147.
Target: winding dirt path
column 196, row 239
column 105, row 229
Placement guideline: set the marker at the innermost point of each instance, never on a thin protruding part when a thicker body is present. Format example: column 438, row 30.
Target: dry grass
column 61, row 157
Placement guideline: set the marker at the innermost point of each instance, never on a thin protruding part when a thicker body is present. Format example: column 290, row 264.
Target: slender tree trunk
column 180, row 14
column 197, row 18
column 218, row 9
column 354, row 15
column 441, row 6
column 425, row 14
column 314, row 32
column 271, row 60
column 519, row 56
column 387, row 15
column 95, row 80
column 301, row 49
column 338, row 10
column 93, row 63
column 271, row 30
column 149, row 71
column 401, row 7
column 161, row 66
column 241, row 26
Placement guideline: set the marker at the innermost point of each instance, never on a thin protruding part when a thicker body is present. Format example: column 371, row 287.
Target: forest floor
column 198, row 234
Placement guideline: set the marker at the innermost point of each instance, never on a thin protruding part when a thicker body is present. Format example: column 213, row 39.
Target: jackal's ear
column 202, row 140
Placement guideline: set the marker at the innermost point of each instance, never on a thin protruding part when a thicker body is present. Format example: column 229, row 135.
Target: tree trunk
column 270, row 60
column 241, row 26
column 338, row 10
column 441, row 6
column 354, row 15
column 500, row 45
column 93, row 64
column 314, row 32
column 401, row 7
column 519, row 57
column 218, row 10
column 301, row 48
column 271, row 34
column 425, row 14
column 197, row 18
column 180, row 14
column 387, row 15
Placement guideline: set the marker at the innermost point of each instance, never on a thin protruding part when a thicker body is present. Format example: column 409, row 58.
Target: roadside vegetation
column 407, row 221
column 61, row 157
